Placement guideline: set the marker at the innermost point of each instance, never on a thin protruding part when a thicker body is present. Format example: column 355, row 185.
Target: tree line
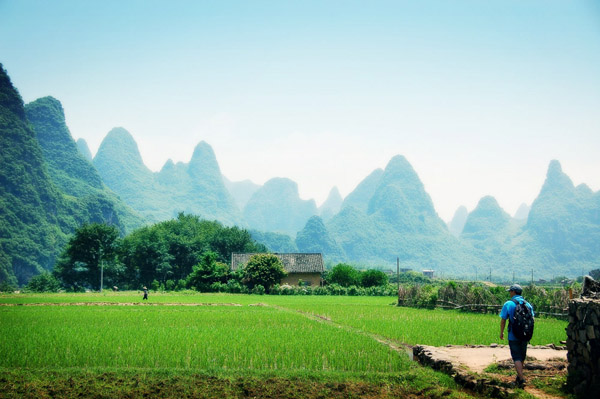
column 184, row 253
column 166, row 255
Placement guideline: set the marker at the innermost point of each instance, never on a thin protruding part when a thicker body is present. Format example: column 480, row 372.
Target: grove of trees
column 185, row 252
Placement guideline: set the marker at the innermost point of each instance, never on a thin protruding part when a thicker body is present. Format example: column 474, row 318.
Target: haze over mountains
column 50, row 185
column 196, row 187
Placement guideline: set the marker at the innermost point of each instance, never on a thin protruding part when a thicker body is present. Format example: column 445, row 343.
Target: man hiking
column 519, row 314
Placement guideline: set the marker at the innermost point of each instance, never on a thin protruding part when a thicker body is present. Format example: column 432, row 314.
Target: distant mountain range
column 196, row 187
column 390, row 215
column 50, row 185
column 277, row 207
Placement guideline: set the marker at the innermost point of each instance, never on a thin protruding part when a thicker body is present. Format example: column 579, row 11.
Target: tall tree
column 263, row 269
column 344, row 275
column 207, row 272
column 90, row 258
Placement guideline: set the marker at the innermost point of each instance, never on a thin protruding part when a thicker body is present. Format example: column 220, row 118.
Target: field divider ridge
column 391, row 344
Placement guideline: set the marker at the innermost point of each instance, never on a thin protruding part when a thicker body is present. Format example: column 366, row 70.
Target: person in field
column 145, row 293
column 517, row 339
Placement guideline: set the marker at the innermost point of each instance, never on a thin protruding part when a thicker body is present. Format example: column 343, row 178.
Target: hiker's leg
column 518, row 351
column 519, row 368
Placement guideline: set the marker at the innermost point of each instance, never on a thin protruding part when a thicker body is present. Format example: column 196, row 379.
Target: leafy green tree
column 8, row 286
column 91, row 251
column 344, row 275
column 373, row 278
column 145, row 254
column 169, row 285
column 207, row 272
column 44, row 282
column 263, row 269
column 169, row 250
column 234, row 239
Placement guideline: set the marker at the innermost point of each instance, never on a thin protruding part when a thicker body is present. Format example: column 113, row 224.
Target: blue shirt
column 508, row 313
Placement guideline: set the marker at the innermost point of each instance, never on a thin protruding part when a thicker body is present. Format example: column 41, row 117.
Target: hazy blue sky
column 478, row 95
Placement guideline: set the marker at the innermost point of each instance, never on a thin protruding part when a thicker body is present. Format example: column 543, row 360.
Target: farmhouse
column 300, row 268
column 428, row 273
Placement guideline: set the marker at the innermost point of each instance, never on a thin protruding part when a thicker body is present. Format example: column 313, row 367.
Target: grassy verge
column 97, row 383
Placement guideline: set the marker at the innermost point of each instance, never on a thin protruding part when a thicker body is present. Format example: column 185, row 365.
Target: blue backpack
column 523, row 323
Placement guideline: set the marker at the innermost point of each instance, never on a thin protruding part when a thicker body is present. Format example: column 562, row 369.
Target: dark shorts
column 518, row 350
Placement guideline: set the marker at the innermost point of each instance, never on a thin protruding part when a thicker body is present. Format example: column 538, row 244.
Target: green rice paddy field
column 195, row 345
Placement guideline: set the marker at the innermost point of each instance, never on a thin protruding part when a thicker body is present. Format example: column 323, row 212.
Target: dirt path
column 468, row 364
column 478, row 358
column 541, row 394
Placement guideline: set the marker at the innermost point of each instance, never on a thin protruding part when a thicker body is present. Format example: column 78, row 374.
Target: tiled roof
column 292, row 263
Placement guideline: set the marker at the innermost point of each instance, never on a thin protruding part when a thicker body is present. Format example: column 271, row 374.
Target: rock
column 590, row 332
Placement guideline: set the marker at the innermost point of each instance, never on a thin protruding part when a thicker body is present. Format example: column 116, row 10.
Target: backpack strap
column 517, row 302
column 509, row 318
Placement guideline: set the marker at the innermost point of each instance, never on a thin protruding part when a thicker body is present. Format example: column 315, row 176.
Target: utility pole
column 475, row 273
column 398, row 277
column 531, row 276
column 513, row 280
column 101, row 260
column 398, row 272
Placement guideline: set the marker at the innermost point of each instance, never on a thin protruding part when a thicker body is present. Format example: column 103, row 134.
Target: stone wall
column 583, row 343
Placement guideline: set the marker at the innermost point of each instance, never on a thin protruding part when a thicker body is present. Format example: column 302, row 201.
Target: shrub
column 258, row 290
column 411, row 277
column 207, row 272
column 7, row 286
column 218, row 287
column 234, row 286
column 320, row 291
column 344, row 275
column 44, row 282
column 373, row 278
column 336, row 289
